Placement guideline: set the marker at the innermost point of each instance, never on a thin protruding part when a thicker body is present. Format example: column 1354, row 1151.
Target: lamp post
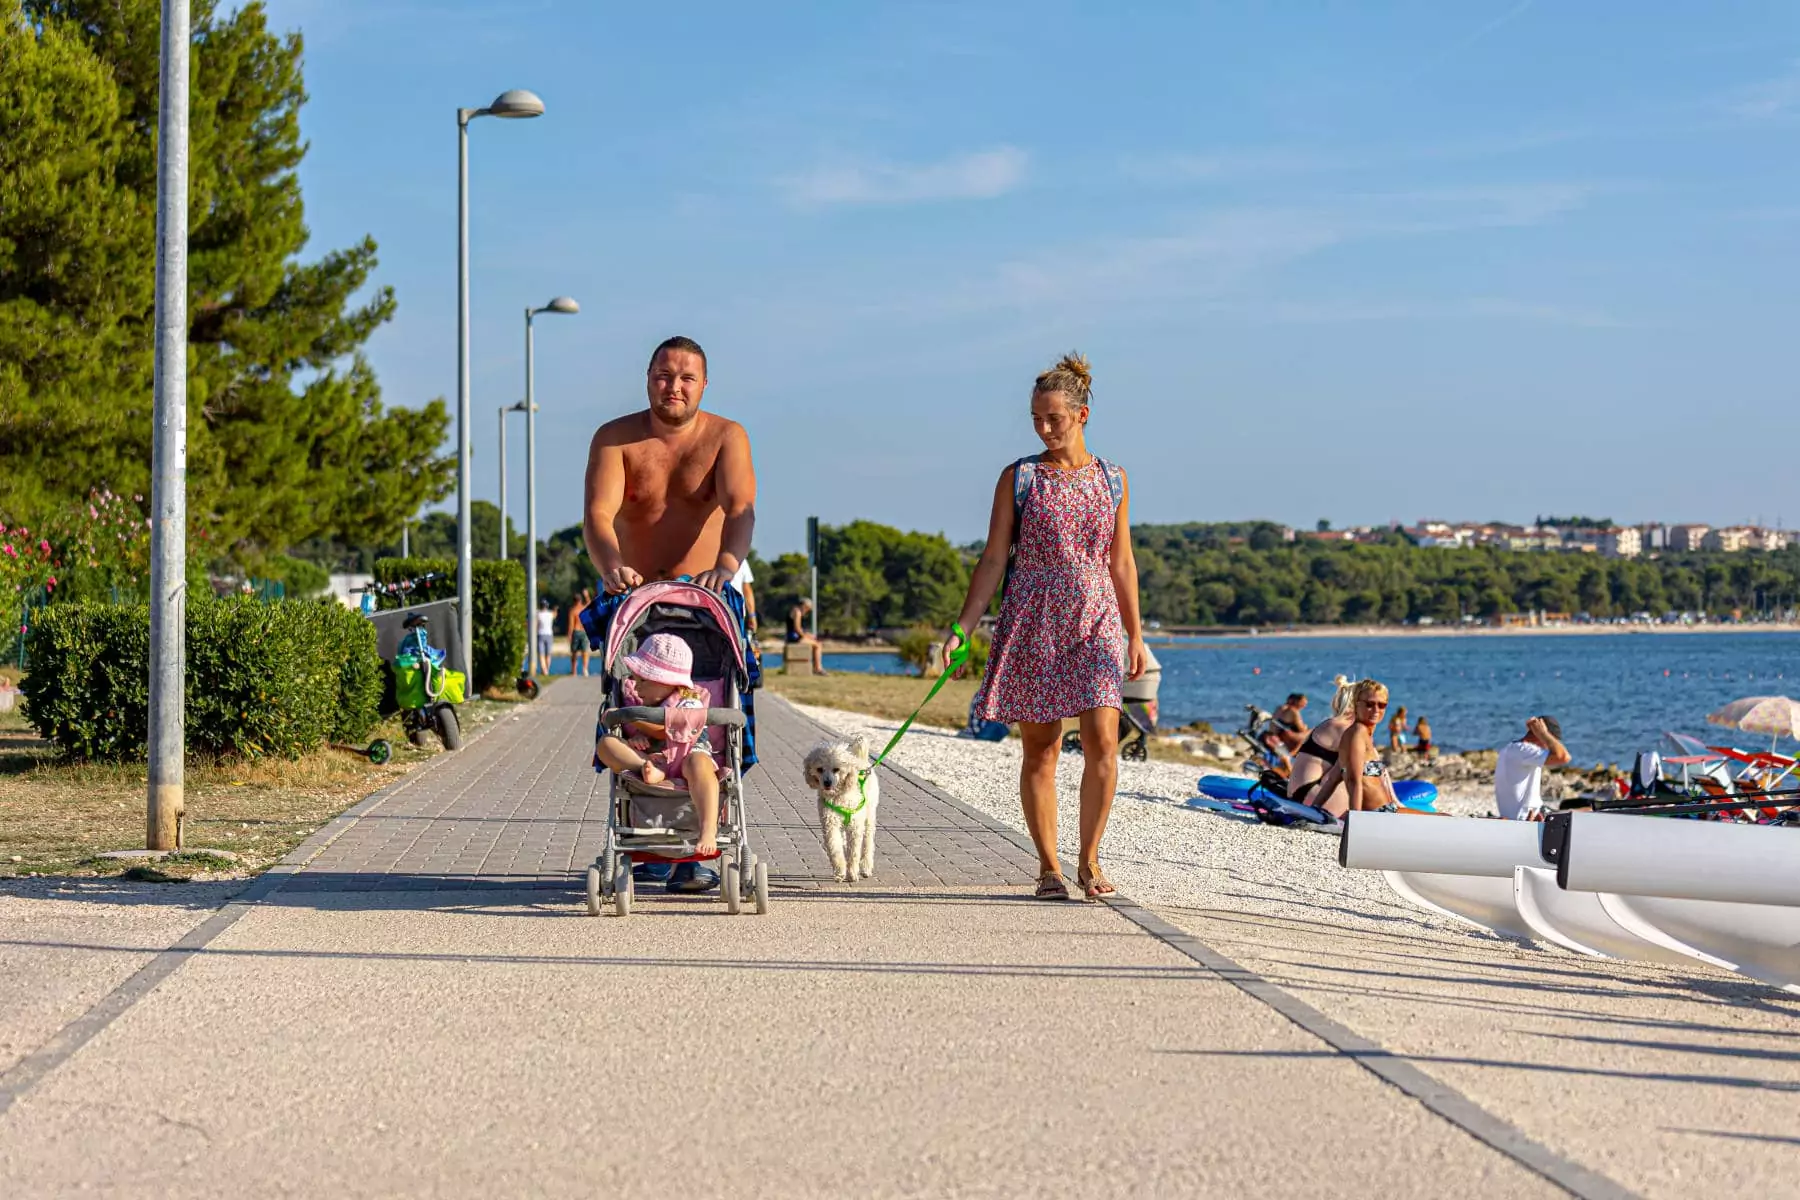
column 512, row 105
column 167, row 773
column 568, row 307
column 504, row 409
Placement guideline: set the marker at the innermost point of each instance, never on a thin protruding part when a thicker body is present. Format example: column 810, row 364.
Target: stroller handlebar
column 613, row 718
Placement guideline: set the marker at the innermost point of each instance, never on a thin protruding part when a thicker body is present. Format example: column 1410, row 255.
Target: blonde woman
column 1059, row 539
column 1357, row 780
column 1397, row 730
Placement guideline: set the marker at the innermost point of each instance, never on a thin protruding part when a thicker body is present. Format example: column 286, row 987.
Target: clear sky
column 1366, row 261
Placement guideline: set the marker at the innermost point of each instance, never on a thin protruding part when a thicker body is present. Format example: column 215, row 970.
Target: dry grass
column 56, row 816
column 888, row 696
column 892, row 697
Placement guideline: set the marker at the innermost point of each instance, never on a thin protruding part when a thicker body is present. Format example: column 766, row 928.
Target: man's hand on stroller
column 620, row 579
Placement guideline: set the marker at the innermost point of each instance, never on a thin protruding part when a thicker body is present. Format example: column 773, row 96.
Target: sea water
column 1615, row 694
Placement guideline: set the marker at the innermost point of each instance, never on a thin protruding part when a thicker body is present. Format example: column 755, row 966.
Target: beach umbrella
column 1777, row 716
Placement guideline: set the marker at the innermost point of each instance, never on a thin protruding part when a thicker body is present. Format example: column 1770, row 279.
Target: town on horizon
column 1572, row 536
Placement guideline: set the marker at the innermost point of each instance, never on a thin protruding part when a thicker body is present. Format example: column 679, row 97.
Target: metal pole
column 405, row 546
column 464, row 552
column 814, row 614
column 538, row 666
column 503, row 546
column 168, row 459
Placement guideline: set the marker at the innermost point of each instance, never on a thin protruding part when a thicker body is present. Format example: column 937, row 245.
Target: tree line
column 288, row 437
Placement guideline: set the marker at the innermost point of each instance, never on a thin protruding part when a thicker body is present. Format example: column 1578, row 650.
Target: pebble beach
column 1158, row 850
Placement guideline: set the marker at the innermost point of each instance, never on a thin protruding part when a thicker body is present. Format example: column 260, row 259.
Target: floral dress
column 1059, row 646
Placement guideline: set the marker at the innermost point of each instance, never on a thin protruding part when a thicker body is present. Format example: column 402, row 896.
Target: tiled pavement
column 520, row 807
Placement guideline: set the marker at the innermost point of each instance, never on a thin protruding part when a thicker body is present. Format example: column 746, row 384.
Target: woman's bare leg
column 702, row 776
column 1037, row 788
column 1099, row 780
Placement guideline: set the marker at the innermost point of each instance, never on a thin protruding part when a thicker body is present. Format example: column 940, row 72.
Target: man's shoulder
column 1525, row 750
column 632, row 427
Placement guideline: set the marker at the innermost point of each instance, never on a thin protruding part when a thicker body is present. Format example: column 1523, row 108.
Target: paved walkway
column 425, row 1008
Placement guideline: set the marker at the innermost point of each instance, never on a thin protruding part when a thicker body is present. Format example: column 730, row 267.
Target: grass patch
column 55, row 816
column 888, row 696
column 892, row 697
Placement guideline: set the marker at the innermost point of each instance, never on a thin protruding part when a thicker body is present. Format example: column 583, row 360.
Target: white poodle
column 835, row 770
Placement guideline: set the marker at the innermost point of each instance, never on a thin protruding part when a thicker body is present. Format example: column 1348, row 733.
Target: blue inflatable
column 1412, row 793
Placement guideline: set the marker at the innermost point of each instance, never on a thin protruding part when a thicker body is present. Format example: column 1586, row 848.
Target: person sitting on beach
column 1288, row 727
column 662, row 676
column 797, row 635
column 1397, row 731
column 1422, row 731
column 1356, row 780
column 1519, row 769
column 1317, row 752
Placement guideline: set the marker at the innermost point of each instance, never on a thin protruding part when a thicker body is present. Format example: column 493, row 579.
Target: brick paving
column 520, row 807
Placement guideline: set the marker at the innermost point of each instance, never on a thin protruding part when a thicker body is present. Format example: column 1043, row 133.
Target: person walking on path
column 671, row 493
column 546, row 636
column 580, row 647
column 1059, row 539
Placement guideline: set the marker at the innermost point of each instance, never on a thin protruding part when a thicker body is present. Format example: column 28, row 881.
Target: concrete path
column 426, row 1008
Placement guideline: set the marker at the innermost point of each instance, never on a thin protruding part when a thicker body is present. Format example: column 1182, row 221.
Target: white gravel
column 1156, row 849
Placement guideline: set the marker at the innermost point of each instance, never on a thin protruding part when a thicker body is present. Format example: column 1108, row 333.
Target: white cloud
column 982, row 175
column 1778, row 97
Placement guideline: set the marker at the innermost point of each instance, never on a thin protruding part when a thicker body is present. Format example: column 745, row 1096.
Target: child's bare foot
column 653, row 773
column 709, row 844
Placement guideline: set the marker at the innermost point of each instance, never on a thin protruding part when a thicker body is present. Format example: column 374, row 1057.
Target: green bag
column 409, row 684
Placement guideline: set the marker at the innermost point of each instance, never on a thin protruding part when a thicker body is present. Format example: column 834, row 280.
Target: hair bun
column 1076, row 364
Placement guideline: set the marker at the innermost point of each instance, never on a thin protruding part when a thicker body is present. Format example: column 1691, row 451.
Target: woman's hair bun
column 1077, row 365
column 1072, row 375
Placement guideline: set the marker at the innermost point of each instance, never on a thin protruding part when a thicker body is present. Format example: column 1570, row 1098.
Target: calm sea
column 1614, row 694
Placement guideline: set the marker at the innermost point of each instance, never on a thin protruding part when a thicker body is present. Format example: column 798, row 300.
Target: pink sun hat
column 663, row 658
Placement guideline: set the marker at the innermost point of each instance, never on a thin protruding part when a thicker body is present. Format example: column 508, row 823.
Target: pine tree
column 287, row 436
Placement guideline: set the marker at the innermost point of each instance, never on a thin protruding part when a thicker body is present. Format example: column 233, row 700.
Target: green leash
column 958, row 659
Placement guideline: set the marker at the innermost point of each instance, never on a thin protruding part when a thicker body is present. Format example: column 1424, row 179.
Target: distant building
column 1774, row 539
column 1653, row 537
column 1688, row 537
column 1732, row 539
column 1624, row 542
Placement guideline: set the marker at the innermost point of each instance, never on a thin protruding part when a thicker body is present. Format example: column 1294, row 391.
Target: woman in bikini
column 1397, row 730
column 1354, row 778
column 1319, row 752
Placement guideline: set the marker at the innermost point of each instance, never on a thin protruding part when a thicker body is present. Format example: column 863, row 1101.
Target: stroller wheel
column 380, row 751
column 622, row 891
column 1136, row 751
column 760, row 875
column 593, row 891
column 732, row 889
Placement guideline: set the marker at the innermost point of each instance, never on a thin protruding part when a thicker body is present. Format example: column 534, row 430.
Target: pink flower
column 93, row 513
column 50, row 583
column 138, row 498
column 44, row 546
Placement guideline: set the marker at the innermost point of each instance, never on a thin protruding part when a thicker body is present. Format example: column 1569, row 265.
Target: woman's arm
column 1355, row 749
column 991, row 569
column 1125, row 584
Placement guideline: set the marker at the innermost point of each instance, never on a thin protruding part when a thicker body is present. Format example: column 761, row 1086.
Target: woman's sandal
column 1051, row 886
column 1094, row 884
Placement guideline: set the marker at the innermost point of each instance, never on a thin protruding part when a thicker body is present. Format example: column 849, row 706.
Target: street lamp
column 512, row 104
column 567, row 307
column 504, row 409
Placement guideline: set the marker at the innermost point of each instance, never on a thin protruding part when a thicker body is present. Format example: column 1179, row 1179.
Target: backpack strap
column 1115, row 481
column 1024, row 474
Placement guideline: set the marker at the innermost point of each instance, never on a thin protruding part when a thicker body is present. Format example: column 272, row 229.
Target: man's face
column 677, row 380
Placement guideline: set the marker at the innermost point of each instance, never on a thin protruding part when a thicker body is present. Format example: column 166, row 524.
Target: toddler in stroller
column 675, row 739
column 660, row 675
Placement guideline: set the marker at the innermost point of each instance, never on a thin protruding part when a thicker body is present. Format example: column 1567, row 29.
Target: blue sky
column 1363, row 262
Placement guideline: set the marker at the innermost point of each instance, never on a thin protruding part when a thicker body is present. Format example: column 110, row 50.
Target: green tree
column 288, row 438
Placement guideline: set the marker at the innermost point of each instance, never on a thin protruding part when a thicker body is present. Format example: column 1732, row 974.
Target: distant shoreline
column 1460, row 631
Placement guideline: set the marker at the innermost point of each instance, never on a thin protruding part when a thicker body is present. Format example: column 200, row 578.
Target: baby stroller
column 658, row 822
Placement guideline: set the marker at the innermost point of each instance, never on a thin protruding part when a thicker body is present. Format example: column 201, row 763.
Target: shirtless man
column 670, row 491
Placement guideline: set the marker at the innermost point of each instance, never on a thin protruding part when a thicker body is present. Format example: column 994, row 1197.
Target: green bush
column 262, row 678
column 498, row 615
